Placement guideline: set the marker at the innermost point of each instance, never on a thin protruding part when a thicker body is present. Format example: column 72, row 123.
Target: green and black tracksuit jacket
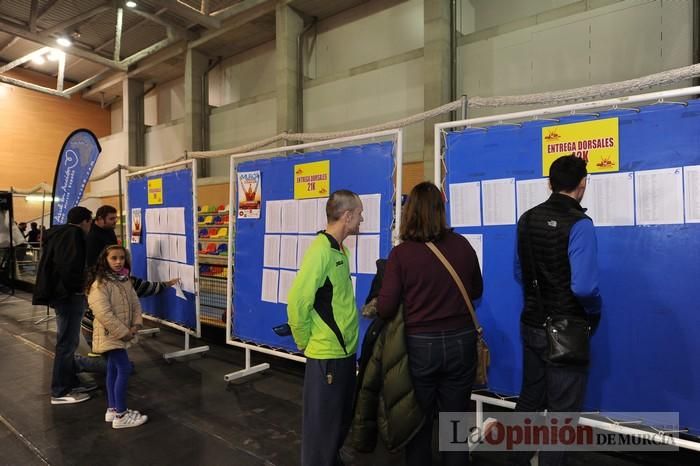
column 321, row 304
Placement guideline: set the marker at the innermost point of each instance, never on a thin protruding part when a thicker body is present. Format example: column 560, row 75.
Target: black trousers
column 546, row 386
column 329, row 389
column 443, row 367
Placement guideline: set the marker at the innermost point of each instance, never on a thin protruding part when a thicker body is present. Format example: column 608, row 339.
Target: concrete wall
column 365, row 66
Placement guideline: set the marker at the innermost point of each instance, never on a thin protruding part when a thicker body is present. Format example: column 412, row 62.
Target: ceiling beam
column 24, row 59
column 170, row 25
column 142, row 67
column 33, row 87
column 8, row 44
column 118, row 35
column 255, row 9
column 75, row 51
column 50, row 4
column 188, row 13
column 33, row 15
column 75, row 20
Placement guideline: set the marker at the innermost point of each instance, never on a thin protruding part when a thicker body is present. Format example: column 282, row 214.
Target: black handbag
column 568, row 336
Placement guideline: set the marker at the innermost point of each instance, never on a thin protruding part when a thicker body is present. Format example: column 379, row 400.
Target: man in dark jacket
column 101, row 233
column 556, row 262
column 60, row 283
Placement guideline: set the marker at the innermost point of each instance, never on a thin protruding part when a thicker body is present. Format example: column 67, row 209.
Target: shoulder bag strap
column 460, row 285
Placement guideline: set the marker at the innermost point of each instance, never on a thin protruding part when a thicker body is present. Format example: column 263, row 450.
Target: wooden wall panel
column 33, row 127
column 412, row 175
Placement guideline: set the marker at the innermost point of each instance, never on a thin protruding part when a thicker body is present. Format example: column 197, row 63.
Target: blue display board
column 365, row 169
column 644, row 352
column 177, row 192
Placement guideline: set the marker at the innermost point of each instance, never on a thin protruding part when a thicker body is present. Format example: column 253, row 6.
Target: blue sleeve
column 583, row 257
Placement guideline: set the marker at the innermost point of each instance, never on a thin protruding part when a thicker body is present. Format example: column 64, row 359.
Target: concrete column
column 436, row 70
column 288, row 27
column 132, row 98
column 196, row 106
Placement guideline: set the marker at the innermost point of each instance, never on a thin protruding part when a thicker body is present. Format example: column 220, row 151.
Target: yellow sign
column 596, row 142
column 312, row 179
column 155, row 191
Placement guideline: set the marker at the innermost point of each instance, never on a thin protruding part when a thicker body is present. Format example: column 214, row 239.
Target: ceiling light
column 55, row 55
column 131, row 4
column 64, row 42
column 39, row 60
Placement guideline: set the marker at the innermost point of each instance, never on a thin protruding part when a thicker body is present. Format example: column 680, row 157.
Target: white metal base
column 187, row 351
column 481, row 400
column 149, row 331
column 248, row 370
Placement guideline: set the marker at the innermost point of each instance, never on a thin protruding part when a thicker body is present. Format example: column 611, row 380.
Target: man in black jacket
column 60, row 283
column 101, row 233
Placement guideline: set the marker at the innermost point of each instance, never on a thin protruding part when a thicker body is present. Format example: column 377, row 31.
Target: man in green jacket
column 323, row 317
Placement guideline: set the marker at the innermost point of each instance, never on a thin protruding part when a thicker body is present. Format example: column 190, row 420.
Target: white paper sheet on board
column 371, row 205
column 269, row 285
column 176, row 220
column 477, row 242
column 367, row 253
column 691, row 182
column 531, row 193
column 303, row 243
column 271, row 251
column 273, row 217
column 286, row 279
column 609, row 199
column 498, row 199
column 354, row 285
column 321, row 220
column 178, row 291
column 465, row 204
column 290, row 216
column 659, row 196
column 307, row 216
column 288, row 252
column 351, row 244
column 186, row 277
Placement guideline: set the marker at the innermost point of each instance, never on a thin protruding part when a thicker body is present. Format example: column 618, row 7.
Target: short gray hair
column 340, row 202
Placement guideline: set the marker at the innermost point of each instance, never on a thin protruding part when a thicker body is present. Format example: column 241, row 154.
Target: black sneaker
column 85, row 387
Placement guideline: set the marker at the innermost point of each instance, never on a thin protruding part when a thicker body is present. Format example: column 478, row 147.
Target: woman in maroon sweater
column 440, row 335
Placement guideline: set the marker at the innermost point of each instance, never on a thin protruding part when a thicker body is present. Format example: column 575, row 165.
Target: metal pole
column 121, row 205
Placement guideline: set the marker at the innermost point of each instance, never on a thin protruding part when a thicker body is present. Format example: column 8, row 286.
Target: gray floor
column 194, row 416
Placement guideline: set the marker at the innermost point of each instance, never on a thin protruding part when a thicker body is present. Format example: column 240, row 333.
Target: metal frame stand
column 248, row 370
column 149, row 331
column 47, row 317
column 187, row 351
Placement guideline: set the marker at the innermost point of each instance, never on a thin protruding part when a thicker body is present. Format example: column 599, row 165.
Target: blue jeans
column 443, row 367
column 69, row 313
column 546, row 386
column 118, row 371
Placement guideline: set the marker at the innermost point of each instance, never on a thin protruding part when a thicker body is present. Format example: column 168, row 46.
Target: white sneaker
column 129, row 419
column 69, row 398
column 111, row 414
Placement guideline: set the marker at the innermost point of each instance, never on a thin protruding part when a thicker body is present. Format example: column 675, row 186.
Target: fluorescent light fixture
column 38, row 60
column 64, row 41
column 55, row 55
column 40, row 198
column 131, row 4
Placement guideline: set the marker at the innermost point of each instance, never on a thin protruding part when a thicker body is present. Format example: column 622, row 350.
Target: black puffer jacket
column 385, row 402
column 61, row 271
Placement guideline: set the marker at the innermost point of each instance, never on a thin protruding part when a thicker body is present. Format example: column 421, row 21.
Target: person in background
column 117, row 321
column 440, row 335
column 23, row 228
column 33, row 234
column 563, row 251
column 324, row 323
column 60, row 283
column 102, row 233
